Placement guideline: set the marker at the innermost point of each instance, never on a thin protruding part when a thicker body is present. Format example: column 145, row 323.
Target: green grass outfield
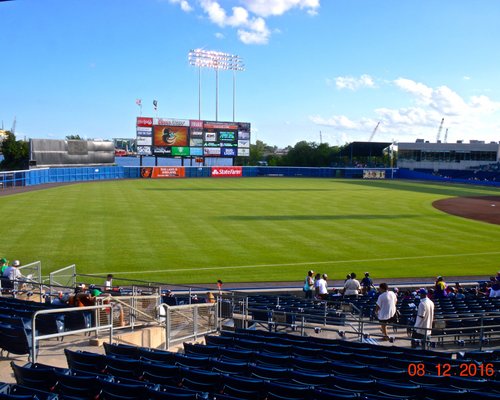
column 251, row 229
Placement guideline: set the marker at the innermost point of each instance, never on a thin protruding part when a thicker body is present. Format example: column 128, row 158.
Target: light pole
column 216, row 60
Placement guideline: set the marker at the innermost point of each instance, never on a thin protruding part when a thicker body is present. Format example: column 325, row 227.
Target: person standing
column 439, row 288
column 351, row 286
column 386, row 308
column 309, row 285
column 108, row 283
column 323, row 287
column 366, row 283
column 317, row 278
column 4, row 264
column 425, row 316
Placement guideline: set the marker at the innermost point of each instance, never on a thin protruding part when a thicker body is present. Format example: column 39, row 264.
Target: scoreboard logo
column 221, row 172
column 143, row 121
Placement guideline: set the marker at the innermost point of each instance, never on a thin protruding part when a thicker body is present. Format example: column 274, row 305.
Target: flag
column 138, row 102
column 155, row 104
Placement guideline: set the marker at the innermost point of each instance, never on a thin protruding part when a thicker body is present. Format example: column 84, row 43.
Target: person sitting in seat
column 12, row 275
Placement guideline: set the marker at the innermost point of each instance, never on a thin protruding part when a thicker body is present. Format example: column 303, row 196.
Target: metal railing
column 188, row 321
column 36, row 338
column 131, row 311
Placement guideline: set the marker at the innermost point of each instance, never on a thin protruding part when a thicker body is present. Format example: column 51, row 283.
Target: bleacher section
column 472, row 319
column 252, row 364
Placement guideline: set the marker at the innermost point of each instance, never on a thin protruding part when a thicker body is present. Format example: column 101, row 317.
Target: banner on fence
column 220, row 172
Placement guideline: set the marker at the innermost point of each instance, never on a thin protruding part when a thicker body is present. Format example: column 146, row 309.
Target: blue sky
column 339, row 67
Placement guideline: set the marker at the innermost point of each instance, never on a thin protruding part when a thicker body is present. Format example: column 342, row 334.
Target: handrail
column 35, row 337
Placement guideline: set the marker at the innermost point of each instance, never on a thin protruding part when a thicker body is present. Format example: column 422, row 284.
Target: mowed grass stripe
column 176, row 228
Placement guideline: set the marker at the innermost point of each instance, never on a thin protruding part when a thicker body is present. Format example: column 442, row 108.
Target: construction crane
column 446, row 136
column 438, row 137
column 374, row 131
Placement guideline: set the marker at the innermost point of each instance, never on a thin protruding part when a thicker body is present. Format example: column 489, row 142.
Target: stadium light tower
column 216, row 60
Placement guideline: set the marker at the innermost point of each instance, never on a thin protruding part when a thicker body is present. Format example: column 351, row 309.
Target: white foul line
column 304, row 263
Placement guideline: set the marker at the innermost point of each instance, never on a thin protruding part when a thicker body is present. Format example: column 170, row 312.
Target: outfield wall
column 404, row 173
column 82, row 174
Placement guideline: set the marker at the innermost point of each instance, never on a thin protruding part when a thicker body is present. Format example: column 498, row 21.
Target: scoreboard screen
column 169, row 137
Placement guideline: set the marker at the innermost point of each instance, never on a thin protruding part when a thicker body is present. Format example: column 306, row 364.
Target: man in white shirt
column 386, row 308
column 323, row 287
column 425, row 316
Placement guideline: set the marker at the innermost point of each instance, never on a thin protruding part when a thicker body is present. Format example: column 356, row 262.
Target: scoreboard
column 168, row 137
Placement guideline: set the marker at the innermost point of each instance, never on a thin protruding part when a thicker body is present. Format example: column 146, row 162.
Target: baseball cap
column 422, row 291
column 3, row 260
column 95, row 292
column 16, row 263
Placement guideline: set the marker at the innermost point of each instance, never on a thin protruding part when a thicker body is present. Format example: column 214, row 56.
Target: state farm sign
column 222, row 172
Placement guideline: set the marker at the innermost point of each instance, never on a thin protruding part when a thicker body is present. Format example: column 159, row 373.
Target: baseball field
column 251, row 229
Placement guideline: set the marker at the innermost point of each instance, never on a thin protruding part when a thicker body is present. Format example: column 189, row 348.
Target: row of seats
column 164, row 381
column 221, row 371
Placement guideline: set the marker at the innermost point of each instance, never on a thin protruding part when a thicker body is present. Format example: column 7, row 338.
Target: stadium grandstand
column 154, row 341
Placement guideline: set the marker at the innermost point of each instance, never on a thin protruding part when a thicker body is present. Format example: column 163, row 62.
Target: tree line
column 308, row 154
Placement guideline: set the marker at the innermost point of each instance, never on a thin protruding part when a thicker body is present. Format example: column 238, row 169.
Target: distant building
column 451, row 156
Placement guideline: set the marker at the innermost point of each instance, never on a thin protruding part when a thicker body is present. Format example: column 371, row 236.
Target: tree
column 74, row 137
column 15, row 153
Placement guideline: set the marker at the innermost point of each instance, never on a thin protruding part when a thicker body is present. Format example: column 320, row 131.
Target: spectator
column 495, row 288
column 460, row 294
column 352, row 286
column 210, row 297
column 4, row 264
column 386, row 308
column 323, row 287
column 317, row 278
column 366, row 283
column 108, row 283
column 425, row 316
column 439, row 288
column 12, row 275
column 219, row 286
column 309, row 285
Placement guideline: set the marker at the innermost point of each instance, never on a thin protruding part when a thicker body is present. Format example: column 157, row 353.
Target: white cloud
column 352, row 83
column 266, row 8
column 475, row 118
column 251, row 30
column 219, row 35
column 249, row 18
column 185, row 6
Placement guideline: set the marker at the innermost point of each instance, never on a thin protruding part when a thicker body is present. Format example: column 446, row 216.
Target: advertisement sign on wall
column 168, row 172
column 373, row 174
column 243, row 152
column 220, row 172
